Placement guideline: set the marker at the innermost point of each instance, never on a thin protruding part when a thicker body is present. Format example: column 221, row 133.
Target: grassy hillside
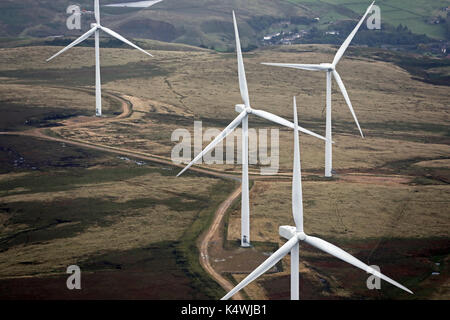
column 208, row 23
column 189, row 21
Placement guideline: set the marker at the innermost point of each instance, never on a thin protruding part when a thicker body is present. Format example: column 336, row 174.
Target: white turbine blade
column 341, row 254
column 236, row 122
column 266, row 265
column 310, row 67
column 119, row 37
column 271, row 117
column 97, row 11
column 297, row 197
column 349, row 39
column 347, row 99
column 241, row 70
column 74, row 43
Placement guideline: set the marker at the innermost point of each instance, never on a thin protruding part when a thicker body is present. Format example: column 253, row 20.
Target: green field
column 413, row 14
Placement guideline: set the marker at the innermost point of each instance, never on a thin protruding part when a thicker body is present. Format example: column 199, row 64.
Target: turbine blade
column 119, row 37
column 236, row 122
column 310, row 67
column 266, row 265
column 347, row 99
column 74, row 43
column 349, row 39
column 297, row 197
column 271, row 117
column 97, row 11
column 341, row 254
column 241, row 70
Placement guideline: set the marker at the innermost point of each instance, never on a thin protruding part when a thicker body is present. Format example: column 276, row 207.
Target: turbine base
column 245, row 243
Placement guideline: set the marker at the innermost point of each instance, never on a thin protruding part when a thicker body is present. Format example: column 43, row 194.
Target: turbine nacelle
column 95, row 25
column 288, row 232
column 241, row 107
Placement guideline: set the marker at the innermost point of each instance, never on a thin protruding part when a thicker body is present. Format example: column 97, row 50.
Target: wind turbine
column 330, row 69
column 296, row 234
column 244, row 111
column 95, row 29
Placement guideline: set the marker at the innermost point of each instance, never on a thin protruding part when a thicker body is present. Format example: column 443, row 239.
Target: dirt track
column 210, row 233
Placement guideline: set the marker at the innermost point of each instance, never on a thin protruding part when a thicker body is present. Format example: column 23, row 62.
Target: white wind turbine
column 330, row 68
column 296, row 234
column 96, row 27
column 244, row 111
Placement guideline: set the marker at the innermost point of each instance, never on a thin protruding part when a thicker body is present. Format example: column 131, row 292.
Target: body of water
column 137, row 4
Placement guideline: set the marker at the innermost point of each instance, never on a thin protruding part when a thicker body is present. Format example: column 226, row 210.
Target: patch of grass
column 421, row 67
column 158, row 262
column 423, row 181
column 85, row 75
column 319, row 178
column 423, row 175
column 187, row 250
column 22, row 117
column 231, row 279
column 85, row 212
column 28, row 106
column 150, row 272
column 73, row 179
column 18, row 153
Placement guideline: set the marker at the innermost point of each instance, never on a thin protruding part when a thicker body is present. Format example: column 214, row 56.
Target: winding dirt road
column 204, row 244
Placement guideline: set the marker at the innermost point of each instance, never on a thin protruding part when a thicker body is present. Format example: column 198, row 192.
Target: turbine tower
column 244, row 111
column 95, row 29
column 330, row 69
column 296, row 234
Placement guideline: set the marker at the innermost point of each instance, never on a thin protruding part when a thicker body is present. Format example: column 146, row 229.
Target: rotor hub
column 329, row 66
column 301, row 235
